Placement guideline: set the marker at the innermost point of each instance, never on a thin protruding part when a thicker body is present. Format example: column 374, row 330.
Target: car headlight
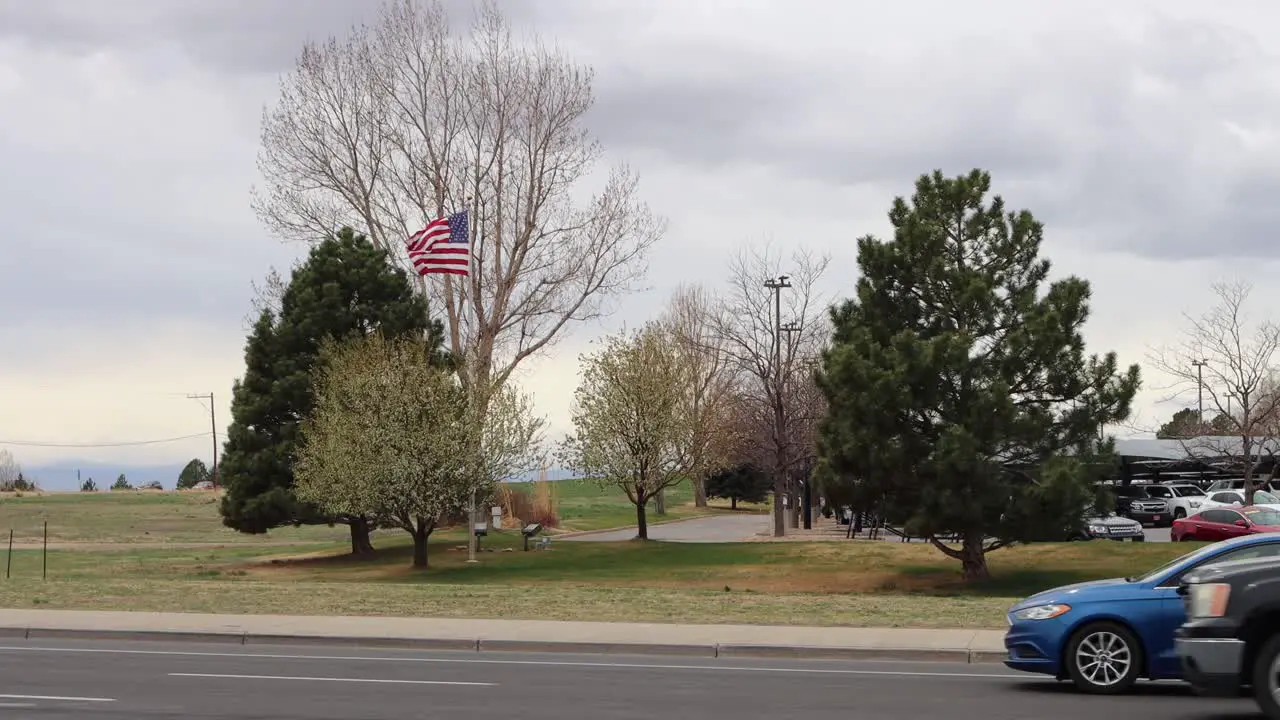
column 1208, row 600
column 1194, row 503
column 1099, row 529
column 1041, row 612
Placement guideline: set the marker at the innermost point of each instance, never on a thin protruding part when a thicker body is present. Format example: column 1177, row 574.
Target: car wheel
column 1103, row 658
column 1266, row 677
column 1179, row 513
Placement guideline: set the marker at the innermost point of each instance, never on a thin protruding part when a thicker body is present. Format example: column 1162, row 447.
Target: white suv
column 1238, row 484
column 1183, row 499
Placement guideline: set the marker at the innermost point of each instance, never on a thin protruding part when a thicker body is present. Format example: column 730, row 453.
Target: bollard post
column 8, row 563
column 44, row 554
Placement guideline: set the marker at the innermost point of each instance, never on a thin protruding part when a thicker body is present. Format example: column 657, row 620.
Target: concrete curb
column 479, row 645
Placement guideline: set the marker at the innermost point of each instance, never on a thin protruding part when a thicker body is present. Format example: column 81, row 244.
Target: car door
column 1172, row 614
column 1209, row 525
column 1229, row 527
column 1227, row 497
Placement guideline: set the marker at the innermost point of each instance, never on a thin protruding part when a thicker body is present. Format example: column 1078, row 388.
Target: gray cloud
column 1094, row 129
column 234, row 36
column 1119, row 138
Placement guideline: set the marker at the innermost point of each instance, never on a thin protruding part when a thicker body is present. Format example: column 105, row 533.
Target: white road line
column 58, row 698
column 329, row 679
column 547, row 663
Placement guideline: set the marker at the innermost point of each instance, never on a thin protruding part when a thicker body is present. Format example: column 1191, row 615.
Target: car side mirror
column 1242, row 523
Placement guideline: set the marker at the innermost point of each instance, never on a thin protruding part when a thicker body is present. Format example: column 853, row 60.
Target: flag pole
column 472, row 540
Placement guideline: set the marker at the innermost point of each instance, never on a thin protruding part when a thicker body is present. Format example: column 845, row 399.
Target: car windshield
column 1263, row 516
column 1188, row 558
column 1265, row 498
column 1188, row 491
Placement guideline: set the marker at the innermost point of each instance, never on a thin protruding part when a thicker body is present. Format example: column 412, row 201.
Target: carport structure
column 1199, row 459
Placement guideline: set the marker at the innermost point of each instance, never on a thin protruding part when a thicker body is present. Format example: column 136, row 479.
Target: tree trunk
column 779, row 512
column 660, row 503
column 733, row 503
column 420, row 535
column 796, row 502
column 360, row 542
column 642, row 521
column 699, row 492
column 973, row 561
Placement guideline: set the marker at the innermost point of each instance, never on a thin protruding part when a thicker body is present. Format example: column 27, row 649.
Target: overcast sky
column 1142, row 133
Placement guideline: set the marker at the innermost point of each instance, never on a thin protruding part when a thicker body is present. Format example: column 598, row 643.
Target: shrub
column 537, row 507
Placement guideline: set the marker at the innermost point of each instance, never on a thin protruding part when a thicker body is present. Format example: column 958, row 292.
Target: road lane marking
column 56, row 698
column 330, row 679
column 546, row 663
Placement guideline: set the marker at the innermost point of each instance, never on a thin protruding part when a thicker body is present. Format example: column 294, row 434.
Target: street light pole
column 800, row 504
column 779, row 482
column 1199, row 366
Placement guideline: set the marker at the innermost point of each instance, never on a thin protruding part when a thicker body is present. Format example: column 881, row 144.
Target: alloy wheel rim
column 1104, row 659
column 1273, row 679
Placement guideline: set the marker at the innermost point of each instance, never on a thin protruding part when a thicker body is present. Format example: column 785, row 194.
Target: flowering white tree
column 633, row 426
column 390, row 436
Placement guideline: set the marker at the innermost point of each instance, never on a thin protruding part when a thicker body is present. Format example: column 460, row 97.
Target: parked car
column 1133, row 501
column 1231, row 639
column 1183, row 499
column 1223, row 523
column 1105, row 635
column 1235, row 498
column 1110, row 527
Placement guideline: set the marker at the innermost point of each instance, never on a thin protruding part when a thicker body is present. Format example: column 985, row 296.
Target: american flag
column 442, row 247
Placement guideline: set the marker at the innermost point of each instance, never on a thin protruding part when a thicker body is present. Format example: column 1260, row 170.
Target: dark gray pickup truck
column 1231, row 639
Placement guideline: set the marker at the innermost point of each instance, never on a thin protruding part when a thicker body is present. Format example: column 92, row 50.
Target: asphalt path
column 152, row 681
column 738, row 528
column 715, row 529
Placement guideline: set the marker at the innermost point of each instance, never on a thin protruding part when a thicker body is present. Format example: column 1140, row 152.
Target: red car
column 1223, row 523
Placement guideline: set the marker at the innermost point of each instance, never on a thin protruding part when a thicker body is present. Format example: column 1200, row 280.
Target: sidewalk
column 514, row 635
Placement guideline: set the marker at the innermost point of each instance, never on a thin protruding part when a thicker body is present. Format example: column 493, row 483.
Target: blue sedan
column 1105, row 635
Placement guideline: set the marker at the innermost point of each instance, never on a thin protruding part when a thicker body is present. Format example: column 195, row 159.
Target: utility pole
column 213, row 425
column 1199, row 366
column 779, row 480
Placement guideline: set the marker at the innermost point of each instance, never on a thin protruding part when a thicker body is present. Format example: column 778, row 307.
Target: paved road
column 153, row 681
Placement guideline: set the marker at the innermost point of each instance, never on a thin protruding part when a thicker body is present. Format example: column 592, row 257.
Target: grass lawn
column 134, row 517
column 821, row 583
column 148, row 517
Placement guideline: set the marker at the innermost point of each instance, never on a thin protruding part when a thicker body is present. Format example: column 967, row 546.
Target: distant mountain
column 62, row 476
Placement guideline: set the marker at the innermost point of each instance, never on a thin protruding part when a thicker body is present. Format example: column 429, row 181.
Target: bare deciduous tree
column 690, row 318
column 10, row 470
column 405, row 120
column 1236, row 357
column 767, row 361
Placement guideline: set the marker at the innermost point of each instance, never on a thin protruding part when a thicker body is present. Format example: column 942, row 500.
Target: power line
column 36, row 443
